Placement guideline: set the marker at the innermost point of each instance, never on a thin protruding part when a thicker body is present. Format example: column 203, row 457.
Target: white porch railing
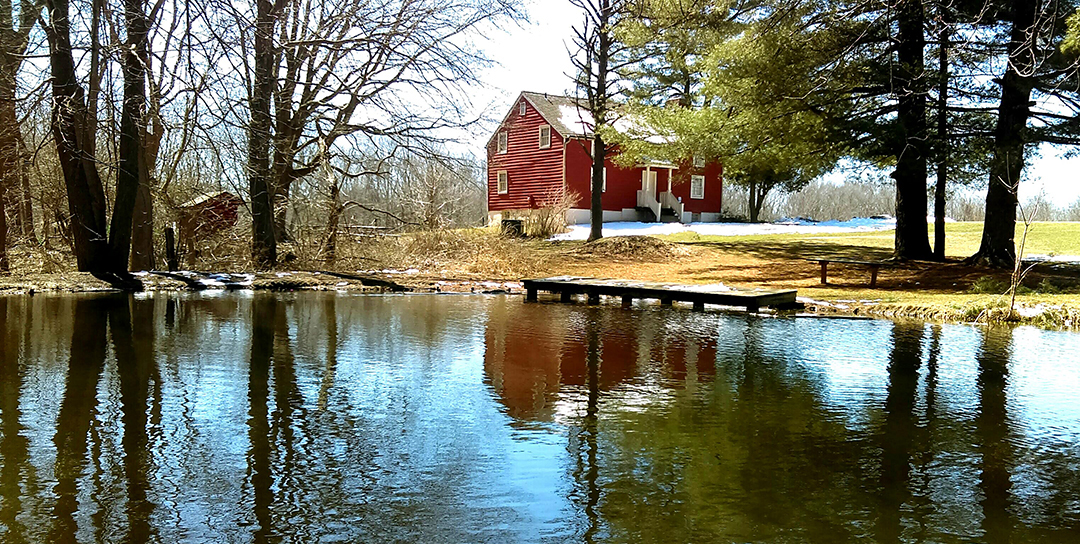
column 671, row 201
column 645, row 200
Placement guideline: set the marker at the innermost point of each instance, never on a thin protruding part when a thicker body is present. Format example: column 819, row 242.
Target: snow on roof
column 577, row 120
column 207, row 197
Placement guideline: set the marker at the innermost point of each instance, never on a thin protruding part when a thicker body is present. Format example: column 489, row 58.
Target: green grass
column 961, row 239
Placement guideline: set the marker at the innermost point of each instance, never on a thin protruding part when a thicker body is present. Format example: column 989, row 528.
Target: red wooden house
column 542, row 152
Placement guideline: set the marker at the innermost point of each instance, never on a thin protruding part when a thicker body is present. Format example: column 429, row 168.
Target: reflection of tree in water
column 897, row 432
column 264, row 319
column 88, row 347
column 756, row 458
column 133, row 335
column 13, row 446
column 995, row 444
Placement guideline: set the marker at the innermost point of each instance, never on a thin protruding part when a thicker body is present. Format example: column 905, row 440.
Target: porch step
column 646, row 215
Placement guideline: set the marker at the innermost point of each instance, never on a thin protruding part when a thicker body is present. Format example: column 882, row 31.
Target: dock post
column 699, row 306
column 752, row 309
column 530, row 295
column 824, row 272
column 627, row 301
column 666, row 301
column 873, row 275
column 566, row 296
column 594, row 298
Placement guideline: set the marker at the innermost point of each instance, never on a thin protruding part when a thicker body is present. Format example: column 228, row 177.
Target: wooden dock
column 666, row 293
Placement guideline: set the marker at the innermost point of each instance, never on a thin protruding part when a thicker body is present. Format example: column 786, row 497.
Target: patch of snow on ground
column 1053, row 258
column 786, row 226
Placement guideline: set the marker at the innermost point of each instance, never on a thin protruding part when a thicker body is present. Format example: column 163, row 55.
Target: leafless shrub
column 550, row 220
column 962, row 207
column 824, row 201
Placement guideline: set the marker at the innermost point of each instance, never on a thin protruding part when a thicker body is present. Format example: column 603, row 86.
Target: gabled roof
column 565, row 114
column 569, row 117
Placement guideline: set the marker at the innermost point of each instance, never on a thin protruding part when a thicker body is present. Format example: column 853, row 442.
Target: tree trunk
column 912, row 240
column 942, row 135
column 752, row 206
column 26, row 203
column 599, row 111
column 142, row 229
column 264, row 243
column 86, row 197
column 144, row 256
column 132, row 170
column 998, row 248
column 596, row 207
column 5, row 265
column 330, row 248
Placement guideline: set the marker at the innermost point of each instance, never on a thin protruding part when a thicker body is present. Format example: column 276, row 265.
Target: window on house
column 503, row 185
column 502, row 143
column 697, row 187
column 699, row 161
column 521, row 108
column 545, row 136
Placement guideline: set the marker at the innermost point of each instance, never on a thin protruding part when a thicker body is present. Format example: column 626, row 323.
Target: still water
column 320, row 417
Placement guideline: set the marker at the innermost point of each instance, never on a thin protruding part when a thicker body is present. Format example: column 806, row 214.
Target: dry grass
column 633, row 248
column 938, row 291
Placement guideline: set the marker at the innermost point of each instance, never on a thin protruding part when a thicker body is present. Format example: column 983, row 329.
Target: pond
column 323, row 417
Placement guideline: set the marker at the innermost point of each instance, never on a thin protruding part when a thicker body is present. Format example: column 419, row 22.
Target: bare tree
column 318, row 71
column 97, row 249
column 593, row 60
column 14, row 38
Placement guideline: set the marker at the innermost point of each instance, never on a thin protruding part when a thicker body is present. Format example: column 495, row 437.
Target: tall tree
column 596, row 62
column 1035, row 28
column 133, row 171
column 385, row 69
column 14, row 38
column 264, row 243
column 98, row 247
column 911, row 240
column 716, row 84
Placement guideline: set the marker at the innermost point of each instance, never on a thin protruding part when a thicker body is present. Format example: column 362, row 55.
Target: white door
column 648, row 182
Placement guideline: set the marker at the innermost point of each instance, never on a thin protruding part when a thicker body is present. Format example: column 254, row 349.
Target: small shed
column 206, row 214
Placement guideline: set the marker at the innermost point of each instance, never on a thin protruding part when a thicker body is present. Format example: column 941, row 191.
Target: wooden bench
column 874, row 266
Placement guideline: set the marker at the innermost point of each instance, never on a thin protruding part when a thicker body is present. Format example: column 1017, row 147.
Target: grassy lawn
column 948, row 291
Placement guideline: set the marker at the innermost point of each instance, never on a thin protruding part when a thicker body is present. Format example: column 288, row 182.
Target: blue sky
column 534, row 57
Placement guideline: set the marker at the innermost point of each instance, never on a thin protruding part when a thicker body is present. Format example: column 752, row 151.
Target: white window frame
column 697, row 182
column 502, row 182
column 545, row 143
column 521, row 108
column 699, row 161
column 503, row 143
column 603, row 188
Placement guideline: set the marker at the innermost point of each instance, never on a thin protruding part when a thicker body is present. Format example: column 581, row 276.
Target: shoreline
column 964, row 309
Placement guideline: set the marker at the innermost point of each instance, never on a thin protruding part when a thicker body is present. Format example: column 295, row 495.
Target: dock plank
column 699, row 295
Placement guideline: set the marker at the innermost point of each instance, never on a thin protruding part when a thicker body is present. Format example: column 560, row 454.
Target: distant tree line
column 151, row 103
column 954, row 91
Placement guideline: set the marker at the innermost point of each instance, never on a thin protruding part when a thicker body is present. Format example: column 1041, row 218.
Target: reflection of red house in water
column 542, row 151
column 530, row 356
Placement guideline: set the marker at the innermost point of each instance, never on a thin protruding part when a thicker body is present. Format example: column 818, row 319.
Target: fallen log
column 369, row 281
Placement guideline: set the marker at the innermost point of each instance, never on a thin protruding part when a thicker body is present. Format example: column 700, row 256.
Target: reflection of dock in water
column 666, row 293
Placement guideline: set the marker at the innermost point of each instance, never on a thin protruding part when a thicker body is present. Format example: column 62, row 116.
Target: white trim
column 545, row 143
column 697, row 187
column 603, row 188
column 504, row 143
column 502, row 182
